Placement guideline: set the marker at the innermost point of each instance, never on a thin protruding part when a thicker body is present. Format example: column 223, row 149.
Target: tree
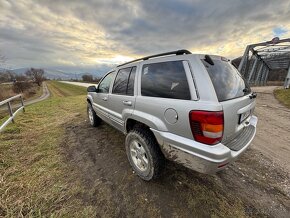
column 7, row 76
column 37, row 75
column 87, row 78
column 20, row 87
column 20, row 78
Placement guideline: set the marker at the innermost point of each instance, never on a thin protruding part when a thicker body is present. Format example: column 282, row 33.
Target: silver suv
column 193, row 109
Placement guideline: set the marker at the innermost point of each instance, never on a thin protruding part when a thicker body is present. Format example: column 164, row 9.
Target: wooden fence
column 10, row 110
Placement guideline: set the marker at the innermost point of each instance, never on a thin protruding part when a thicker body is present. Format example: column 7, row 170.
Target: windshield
column 226, row 79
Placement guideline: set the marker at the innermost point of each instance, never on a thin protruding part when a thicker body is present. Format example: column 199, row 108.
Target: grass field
column 33, row 176
column 283, row 95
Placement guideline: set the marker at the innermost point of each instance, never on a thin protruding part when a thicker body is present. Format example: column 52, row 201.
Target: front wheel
column 144, row 154
column 92, row 116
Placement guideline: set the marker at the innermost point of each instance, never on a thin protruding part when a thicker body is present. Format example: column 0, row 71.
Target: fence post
column 10, row 110
column 22, row 103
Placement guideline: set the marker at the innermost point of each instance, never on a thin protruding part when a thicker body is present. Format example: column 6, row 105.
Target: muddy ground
column 256, row 185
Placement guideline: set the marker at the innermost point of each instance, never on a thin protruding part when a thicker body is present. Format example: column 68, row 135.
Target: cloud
column 74, row 34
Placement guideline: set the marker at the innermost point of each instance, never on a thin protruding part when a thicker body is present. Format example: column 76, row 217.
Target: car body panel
column 119, row 110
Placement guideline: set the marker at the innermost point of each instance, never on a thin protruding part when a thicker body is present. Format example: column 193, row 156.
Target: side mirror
column 92, row 89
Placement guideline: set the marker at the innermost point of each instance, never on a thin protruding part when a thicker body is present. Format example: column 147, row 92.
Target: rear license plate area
column 244, row 116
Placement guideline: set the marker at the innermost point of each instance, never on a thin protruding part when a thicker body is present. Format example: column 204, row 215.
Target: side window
column 165, row 80
column 121, row 81
column 104, row 85
column 124, row 82
column 130, row 89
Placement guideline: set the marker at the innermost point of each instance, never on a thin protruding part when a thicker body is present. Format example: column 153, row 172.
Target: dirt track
column 273, row 135
column 256, row 185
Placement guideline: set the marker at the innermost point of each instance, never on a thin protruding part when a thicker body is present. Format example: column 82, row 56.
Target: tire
column 148, row 150
column 94, row 120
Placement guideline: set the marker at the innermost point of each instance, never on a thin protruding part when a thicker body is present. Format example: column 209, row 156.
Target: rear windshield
column 226, row 79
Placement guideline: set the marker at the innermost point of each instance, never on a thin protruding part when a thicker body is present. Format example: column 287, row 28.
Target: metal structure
column 261, row 58
column 12, row 115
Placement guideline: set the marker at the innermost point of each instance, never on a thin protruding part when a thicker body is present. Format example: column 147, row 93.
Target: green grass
column 283, row 95
column 64, row 89
column 33, row 173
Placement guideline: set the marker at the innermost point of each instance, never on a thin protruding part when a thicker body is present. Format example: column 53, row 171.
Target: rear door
column 233, row 93
column 122, row 99
column 166, row 95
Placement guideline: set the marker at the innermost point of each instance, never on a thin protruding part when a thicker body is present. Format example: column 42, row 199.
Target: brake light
column 207, row 126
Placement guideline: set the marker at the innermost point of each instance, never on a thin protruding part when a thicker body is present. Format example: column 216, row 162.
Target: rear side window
column 226, row 79
column 130, row 88
column 124, row 82
column 165, row 80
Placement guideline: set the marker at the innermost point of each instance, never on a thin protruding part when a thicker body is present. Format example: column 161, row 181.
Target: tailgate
column 237, row 113
column 233, row 93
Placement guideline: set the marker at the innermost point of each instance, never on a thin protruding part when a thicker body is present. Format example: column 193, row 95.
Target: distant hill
column 54, row 74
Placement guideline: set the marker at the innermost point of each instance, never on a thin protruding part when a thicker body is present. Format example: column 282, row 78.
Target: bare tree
column 88, row 78
column 37, row 75
column 20, row 78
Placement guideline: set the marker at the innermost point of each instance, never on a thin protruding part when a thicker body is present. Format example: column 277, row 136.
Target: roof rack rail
column 178, row 52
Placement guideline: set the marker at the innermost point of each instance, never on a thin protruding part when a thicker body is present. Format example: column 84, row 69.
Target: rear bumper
column 200, row 157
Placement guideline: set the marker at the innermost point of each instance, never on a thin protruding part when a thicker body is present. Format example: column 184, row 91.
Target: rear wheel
column 144, row 154
column 92, row 116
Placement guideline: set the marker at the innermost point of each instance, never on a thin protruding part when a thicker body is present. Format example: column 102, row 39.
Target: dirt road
column 273, row 132
column 254, row 186
column 79, row 83
column 45, row 95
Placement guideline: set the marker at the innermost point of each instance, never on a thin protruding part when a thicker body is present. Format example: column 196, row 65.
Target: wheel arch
column 132, row 123
column 89, row 99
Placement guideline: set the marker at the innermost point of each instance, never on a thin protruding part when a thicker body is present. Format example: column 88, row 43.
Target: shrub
column 5, row 92
column 19, row 87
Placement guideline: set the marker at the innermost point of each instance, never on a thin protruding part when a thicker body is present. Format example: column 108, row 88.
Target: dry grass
column 275, row 83
column 283, row 95
column 6, row 91
column 33, row 175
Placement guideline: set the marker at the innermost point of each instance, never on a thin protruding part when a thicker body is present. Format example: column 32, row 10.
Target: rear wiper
column 253, row 95
column 208, row 59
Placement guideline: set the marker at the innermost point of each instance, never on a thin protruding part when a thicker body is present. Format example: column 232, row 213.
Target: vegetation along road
column 45, row 95
column 53, row 163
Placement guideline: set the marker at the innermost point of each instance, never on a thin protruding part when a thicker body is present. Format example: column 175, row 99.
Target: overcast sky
column 89, row 35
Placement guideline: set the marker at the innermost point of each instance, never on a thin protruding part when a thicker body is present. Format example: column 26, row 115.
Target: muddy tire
column 144, row 154
column 94, row 120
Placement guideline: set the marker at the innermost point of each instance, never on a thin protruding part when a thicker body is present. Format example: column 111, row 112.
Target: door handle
column 105, row 98
column 128, row 103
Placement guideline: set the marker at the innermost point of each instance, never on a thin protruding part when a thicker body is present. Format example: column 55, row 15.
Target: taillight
column 207, row 126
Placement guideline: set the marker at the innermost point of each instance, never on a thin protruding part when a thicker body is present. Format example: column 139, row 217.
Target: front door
column 101, row 98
